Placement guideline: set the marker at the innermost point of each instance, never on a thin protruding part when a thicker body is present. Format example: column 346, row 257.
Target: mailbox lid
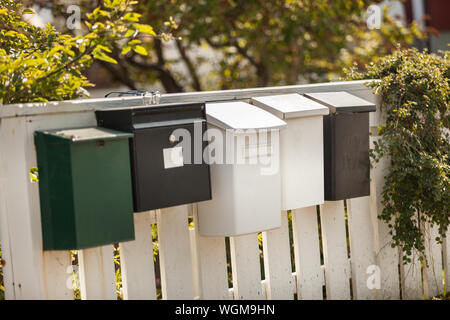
column 241, row 115
column 77, row 135
column 288, row 106
column 342, row 102
column 161, row 115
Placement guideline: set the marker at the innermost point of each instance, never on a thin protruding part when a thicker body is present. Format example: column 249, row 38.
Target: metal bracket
column 148, row 97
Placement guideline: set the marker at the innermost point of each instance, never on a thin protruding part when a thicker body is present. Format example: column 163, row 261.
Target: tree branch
column 164, row 75
column 195, row 79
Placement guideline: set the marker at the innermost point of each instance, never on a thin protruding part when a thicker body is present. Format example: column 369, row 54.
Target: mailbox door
column 346, row 153
column 163, row 181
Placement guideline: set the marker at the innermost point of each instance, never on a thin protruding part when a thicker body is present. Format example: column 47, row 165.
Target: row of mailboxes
column 295, row 151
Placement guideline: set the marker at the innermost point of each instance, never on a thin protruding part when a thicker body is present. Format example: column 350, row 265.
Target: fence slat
column 212, row 265
column 433, row 285
column 195, row 263
column 175, row 253
column 57, row 264
column 97, row 275
column 361, row 246
column 277, row 261
column 35, row 275
column 307, row 254
column 246, row 268
column 136, row 261
column 411, row 276
column 446, row 262
column 386, row 257
column 337, row 269
column 5, row 245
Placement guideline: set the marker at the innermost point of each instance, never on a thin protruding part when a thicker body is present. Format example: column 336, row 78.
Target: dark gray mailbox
column 346, row 144
column 167, row 162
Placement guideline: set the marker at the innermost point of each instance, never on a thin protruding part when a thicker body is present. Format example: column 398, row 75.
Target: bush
column 40, row 64
column 414, row 87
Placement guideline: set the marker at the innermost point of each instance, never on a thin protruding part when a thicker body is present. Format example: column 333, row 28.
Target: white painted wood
column 6, row 268
column 411, row 279
column 411, row 276
column 36, row 275
column 309, row 273
column 387, row 257
column 175, row 253
column 58, row 283
column 245, row 265
column 24, row 236
column 195, row 263
column 337, row 268
column 446, row 261
column 212, row 265
column 82, row 105
column 362, row 251
column 277, row 261
column 433, row 280
column 57, row 265
column 136, row 261
column 97, row 274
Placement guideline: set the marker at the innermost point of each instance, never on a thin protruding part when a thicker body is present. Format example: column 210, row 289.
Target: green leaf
column 28, row 11
column 130, row 33
column 133, row 42
column 140, row 50
column 144, row 28
column 103, row 48
column 126, row 49
column 132, row 16
column 100, row 55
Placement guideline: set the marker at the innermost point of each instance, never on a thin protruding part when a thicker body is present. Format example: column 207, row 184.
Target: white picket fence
column 195, row 267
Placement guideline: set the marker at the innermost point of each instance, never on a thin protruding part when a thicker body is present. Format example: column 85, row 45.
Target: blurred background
column 226, row 44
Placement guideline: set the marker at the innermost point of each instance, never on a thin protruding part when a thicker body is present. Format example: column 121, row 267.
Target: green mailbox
column 85, row 187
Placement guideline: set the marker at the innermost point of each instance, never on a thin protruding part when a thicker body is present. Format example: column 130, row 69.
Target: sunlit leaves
column 145, row 29
column 140, row 49
column 264, row 43
column 40, row 64
column 415, row 89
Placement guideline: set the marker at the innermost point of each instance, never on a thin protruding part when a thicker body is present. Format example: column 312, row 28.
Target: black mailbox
column 346, row 144
column 167, row 170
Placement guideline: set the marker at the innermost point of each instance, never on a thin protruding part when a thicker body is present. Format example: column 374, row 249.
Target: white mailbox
column 245, row 175
column 301, row 148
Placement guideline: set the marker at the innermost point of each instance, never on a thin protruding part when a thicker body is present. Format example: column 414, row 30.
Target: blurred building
column 433, row 15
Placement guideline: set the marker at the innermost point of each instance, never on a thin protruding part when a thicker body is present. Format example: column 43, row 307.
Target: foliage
column 41, row 64
column 262, row 43
column 252, row 43
column 415, row 91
